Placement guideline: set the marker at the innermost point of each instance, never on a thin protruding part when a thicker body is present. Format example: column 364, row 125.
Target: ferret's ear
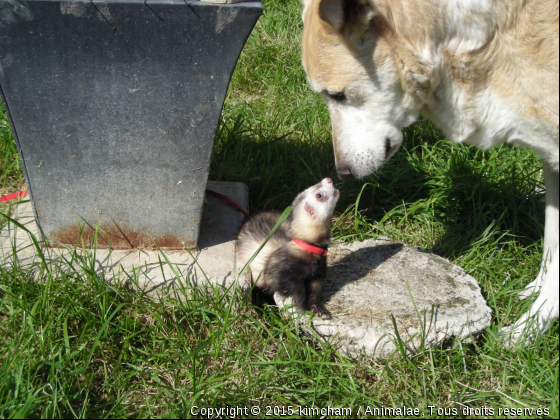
column 351, row 18
column 309, row 209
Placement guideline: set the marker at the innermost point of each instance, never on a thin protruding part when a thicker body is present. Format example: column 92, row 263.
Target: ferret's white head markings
column 318, row 201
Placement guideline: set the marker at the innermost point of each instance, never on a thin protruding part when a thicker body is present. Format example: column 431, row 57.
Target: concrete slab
column 214, row 262
column 371, row 282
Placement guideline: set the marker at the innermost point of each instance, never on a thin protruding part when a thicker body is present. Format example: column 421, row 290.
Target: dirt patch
column 116, row 236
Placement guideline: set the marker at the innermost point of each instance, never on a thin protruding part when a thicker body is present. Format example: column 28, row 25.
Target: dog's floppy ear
column 417, row 75
column 332, row 12
column 305, row 3
column 351, row 18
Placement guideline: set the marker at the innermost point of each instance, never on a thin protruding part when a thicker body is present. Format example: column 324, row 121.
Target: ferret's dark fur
column 282, row 266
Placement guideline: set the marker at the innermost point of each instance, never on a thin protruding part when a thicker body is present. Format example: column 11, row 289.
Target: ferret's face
column 317, row 202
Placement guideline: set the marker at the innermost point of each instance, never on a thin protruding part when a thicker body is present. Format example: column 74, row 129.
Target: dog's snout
column 344, row 173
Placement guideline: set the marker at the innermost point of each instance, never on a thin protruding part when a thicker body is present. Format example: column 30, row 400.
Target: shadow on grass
column 430, row 183
column 489, row 202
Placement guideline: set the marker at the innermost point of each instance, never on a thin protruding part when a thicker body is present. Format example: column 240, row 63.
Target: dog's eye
column 338, row 96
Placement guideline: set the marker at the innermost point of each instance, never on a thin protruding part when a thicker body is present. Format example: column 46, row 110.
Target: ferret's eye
column 319, row 196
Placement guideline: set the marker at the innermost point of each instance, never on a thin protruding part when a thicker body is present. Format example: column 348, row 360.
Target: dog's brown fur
column 517, row 60
column 484, row 71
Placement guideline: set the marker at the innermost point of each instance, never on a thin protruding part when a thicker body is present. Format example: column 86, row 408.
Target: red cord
column 229, row 200
column 14, row 195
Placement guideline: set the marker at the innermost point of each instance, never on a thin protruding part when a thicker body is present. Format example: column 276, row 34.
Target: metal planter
column 114, row 106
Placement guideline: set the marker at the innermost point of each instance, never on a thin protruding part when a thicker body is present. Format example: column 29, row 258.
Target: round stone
column 380, row 292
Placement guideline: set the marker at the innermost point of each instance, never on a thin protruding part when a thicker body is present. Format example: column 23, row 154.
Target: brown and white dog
column 484, row 71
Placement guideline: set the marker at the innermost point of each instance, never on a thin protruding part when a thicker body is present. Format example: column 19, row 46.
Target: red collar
column 311, row 248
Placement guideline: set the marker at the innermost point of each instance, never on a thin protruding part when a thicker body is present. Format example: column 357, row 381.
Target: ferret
column 294, row 259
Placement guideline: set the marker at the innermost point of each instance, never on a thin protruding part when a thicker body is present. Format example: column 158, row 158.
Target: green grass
column 76, row 346
column 11, row 178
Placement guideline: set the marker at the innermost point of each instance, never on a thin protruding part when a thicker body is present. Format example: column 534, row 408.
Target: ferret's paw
column 320, row 310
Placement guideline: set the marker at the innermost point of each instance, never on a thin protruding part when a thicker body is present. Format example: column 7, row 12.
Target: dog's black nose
column 388, row 148
column 344, row 173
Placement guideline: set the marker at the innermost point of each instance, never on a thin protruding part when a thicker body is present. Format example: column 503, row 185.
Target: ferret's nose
column 329, row 181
